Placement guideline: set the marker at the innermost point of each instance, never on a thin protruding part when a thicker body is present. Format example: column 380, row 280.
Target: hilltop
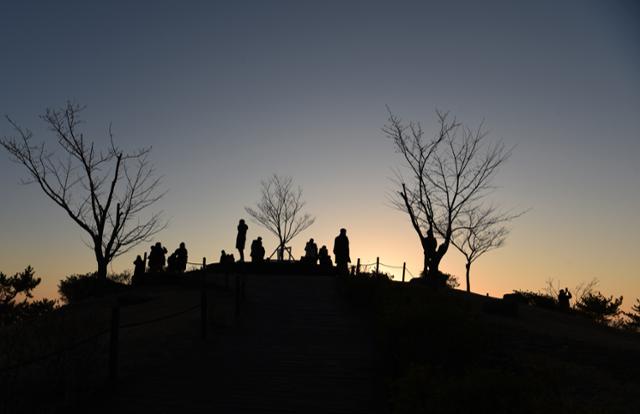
column 302, row 342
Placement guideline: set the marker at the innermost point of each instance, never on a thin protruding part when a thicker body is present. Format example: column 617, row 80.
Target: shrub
column 543, row 300
column 75, row 288
column 21, row 284
column 598, row 307
column 633, row 318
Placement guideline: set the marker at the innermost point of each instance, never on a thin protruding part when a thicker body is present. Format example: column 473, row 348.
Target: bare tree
column 103, row 192
column 280, row 210
column 479, row 230
column 445, row 175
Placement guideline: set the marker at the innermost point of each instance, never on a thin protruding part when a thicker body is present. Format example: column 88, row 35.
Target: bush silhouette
column 598, row 307
column 75, row 288
column 21, row 284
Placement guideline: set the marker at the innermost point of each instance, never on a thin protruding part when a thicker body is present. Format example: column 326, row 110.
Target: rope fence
column 116, row 326
column 91, row 338
column 374, row 267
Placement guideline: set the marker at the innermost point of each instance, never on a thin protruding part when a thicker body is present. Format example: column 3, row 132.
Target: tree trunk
column 102, row 269
column 468, row 266
column 425, row 268
column 281, row 252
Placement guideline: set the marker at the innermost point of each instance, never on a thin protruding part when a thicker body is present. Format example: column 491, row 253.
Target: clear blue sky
column 229, row 92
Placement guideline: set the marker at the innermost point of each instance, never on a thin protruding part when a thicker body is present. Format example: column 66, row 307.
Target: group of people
column 176, row 263
column 312, row 254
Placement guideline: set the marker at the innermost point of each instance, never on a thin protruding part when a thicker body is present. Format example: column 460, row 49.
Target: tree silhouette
column 280, row 210
column 445, row 177
column 21, row 284
column 634, row 316
column 599, row 307
column 479, row 230
column 103, row 192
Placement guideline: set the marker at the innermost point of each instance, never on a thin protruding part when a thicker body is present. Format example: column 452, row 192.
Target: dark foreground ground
column 320, row 344
column 295, row 348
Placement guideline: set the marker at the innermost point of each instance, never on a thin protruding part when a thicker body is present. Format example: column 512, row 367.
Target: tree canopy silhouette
column 280, row 210
column 22, row 285
column 102, row 191
column 441, row 178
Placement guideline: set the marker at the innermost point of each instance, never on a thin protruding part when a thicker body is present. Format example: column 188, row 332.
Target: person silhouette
column 157, row 258
column 325, row 259
column 429, row 247
column 341, row 252
column 181, row 258
column 172, row 262
column 311, row 252
column 563, row 298
column 241, row 238
column 257, row 251
column 139, row 266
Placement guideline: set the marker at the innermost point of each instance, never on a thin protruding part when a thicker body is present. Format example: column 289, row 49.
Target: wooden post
column 377, row 265
column 404, row 269
column 237, row 292
column 244, row 287
column 203, row 313
column 113, row 345
column 204, row 263
column 358, row 267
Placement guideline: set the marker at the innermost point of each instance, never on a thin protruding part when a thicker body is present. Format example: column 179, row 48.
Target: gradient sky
column 228, row 93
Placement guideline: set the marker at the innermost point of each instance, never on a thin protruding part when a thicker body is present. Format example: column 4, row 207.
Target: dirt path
column 295, row 349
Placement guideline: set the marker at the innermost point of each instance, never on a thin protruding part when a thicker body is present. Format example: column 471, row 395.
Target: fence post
column 204, row 263
column 113, row 345
column 377, row 265
column 203, row 313
column 244, row 286
column 237, row 292
column 358, row 267
column 404, row 269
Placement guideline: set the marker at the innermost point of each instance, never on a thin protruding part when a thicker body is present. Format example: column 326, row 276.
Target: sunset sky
column 228, row 93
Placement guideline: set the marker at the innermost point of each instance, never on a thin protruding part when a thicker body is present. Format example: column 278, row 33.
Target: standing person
column 241, row 238
column 139, row 266
column 563, row 299
column 341, row 252
column 182, row 258
column 157, row 258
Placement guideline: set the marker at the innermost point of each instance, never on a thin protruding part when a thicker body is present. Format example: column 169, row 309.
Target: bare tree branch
column 102, row 192
column 446, row 176
column 280, row 210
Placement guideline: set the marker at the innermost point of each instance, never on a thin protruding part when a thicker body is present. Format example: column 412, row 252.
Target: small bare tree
column 280, row 210
column 478, row 231
column 445, row 176
column 103, row 192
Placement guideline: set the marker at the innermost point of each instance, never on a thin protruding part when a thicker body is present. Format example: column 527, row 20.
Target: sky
column 228, row 93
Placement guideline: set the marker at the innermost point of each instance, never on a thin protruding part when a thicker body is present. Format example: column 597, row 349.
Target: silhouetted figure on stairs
column 341, row 252
column 241, row 238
